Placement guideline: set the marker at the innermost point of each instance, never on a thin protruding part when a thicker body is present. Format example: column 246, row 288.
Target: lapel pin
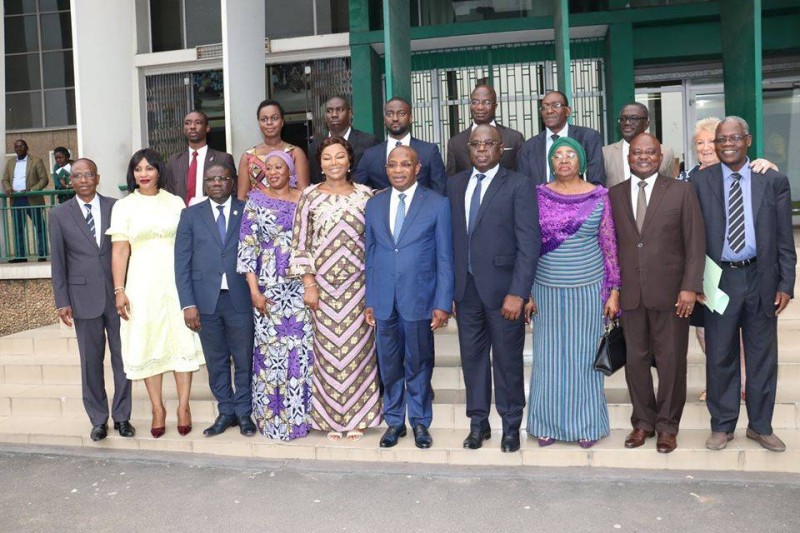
column 236, row 212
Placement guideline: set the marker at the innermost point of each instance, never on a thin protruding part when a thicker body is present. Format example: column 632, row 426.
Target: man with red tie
column 184, row 175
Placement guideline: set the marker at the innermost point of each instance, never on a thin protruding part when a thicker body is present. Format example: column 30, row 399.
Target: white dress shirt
column 201, row 167
column 391, row 144
column 648, row 191
column 492, row 123
column 346, row 135
column 473, row 182
column 96, row 215
column 20, row 171
column 549, row 144
column 394, row 201
column 227, row 210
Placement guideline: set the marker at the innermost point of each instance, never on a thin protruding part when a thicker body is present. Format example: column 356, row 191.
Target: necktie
column 399, row 217
column 221, row 223
column 736, row 215
column 191, row 178
column 555, row 137
column 90, row 220
column 474, row 207
column 398, row 143
column 641, row 205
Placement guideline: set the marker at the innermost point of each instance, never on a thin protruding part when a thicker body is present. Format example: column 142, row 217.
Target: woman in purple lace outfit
column 576, row 285
column 282, row 352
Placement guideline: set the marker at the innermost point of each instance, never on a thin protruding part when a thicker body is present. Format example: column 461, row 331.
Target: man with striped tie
column 84, row 294
column 748, row 224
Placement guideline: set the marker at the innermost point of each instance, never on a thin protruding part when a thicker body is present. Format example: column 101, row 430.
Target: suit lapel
column 416, row 205
column 459, row 188
column 758, row 186
column 80, row 220
column 105, row 222
column 717, row 185
column 497, row 182
column 626, row 197
column 616, row 161
column 659, row 190
column 208, row 217
column 234, row 221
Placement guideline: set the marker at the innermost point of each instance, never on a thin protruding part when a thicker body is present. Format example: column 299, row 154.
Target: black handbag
column 610, row 350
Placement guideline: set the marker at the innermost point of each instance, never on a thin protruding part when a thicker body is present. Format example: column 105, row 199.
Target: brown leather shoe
column 770, row 442
column 666, row 442
column 718, row 440
column 637, row 437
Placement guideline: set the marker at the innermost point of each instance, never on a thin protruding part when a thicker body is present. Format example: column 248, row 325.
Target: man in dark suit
column 661, row 256
column 84, row 294
column 409, row 292
column 372, row 167
column 26, row 173
column 185, row 170
column 215, row 299
column 496, row 241
column 532, row 158
column 482, row 107
column 339, row 119
column 748, row 223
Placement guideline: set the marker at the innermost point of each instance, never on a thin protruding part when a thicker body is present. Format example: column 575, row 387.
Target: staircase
column 40, row 404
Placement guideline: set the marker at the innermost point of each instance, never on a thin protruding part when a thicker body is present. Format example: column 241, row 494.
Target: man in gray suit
column 84, row 294
column 482, row 108
column 634, row 118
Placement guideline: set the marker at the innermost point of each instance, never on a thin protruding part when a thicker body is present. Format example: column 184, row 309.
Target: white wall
column 104, row 45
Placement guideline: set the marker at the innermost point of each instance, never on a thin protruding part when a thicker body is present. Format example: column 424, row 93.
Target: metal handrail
column 25, row 227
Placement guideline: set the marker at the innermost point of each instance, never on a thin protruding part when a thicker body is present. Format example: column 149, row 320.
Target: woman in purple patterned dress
column 282, row 352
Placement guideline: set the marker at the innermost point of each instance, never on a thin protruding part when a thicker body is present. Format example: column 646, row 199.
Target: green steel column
column 620, row 87
column 397, row 42
column 365, row 68
column 740, row 32
column 563, row 60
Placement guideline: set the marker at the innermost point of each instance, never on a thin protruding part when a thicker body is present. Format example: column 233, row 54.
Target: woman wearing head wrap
column 282, row 352
column 576, row 285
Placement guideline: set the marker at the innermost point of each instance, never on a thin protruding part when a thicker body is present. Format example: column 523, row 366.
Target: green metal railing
column 24, row 228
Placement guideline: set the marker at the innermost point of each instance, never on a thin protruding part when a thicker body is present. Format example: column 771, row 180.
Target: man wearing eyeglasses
column 482, row 108
column 555, row 111
column 185, row 169
column 84, row 294
column 215, row 299
column 748, row 221
column 372, row 168
column 633, row 120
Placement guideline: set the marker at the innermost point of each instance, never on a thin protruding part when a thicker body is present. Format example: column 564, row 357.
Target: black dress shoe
column 99, row 432
column 246, row 426
column 125, row 428
column 222, row 423
column 476, row 437
column 18, row 260
column 392, row 435
column 510, row 442
column 422, row 439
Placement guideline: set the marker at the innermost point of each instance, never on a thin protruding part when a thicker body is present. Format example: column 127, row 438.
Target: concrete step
column 741, row 454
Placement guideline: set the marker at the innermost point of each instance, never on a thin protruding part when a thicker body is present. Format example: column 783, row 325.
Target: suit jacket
column 201, row 258
column 415, row 274
column 506, row 239
column 81, row 270
column 669, row 255
column 371, row 169
column 359, row 140
column 532, row 158
column 458, row 151
column 615, row 170
column 772, row 218
column 36, row 178
column 178, row 167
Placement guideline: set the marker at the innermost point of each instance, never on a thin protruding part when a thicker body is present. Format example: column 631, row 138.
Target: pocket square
column 507, row 148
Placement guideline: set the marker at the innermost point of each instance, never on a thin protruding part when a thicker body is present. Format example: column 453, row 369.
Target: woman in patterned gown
column 576, row 284
column 328, row 253
column 253, row 161
column 282, row 355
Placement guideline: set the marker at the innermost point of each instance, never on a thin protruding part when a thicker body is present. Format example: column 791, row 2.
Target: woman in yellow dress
column 154, row 336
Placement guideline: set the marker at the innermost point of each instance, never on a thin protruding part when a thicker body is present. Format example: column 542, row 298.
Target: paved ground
column 55, row 490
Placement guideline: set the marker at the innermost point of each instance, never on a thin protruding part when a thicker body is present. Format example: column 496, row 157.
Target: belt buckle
column 734, row 264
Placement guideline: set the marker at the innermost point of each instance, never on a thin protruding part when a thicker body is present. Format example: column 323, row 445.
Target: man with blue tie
column 748, row 221
column 409, row 291
column 496, row 242
column 397, row 118
column 215, row 299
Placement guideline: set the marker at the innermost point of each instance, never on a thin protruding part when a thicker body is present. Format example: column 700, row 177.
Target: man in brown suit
column 26, row 173
column 661, row 241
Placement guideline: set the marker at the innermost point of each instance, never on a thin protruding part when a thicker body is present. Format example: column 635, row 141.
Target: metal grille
column 329, row 78
column 168, row 100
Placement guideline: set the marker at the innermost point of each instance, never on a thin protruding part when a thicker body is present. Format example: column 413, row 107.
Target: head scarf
column 575, row 145
column 289, row 163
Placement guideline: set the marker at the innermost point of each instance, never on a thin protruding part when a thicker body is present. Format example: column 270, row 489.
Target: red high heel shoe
column 158, row 432
column 184, row 430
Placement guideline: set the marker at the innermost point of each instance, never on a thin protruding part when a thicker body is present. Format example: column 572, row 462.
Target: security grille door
column 169, row 99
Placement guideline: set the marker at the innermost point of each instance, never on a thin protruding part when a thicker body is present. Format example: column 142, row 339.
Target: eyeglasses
column 634, row 119
column 398, row 114
column 222, row 179
column 404, row 164
column 555, row 105
column 478, row 144
column 731, row 138
column 569, row 156
column 82, row 175
column 485, row 103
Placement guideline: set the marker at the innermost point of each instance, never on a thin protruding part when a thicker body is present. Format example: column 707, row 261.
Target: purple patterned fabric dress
column 282, row 352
